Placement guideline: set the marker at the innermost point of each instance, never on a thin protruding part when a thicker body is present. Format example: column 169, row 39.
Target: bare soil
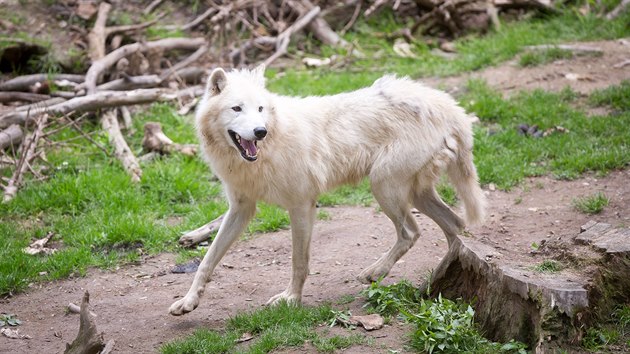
column 132, row 302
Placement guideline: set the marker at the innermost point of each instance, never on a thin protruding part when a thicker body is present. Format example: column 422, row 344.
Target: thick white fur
column 400, row 134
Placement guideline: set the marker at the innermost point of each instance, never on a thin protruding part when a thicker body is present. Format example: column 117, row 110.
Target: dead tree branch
column 201, row 234
column 99, row 66
column 22, row 83
column 88, row 341
column 155, row 140
column 618, row 10
column 13, row 96
column 27, row 148
column 282, row 42
column 122, row 151
column 103, row 99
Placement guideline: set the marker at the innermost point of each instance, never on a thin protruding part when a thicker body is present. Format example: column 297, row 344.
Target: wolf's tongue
column 250, row 146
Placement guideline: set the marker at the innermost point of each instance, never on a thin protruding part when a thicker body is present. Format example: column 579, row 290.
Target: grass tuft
column 593, row 204
column 548, row 266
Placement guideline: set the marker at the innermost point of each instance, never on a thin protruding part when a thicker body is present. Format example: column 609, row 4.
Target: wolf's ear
column 216, row 82
column 259, row 74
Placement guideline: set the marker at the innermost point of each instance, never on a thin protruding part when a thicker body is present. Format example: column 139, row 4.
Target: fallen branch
column 102, row 99
column 201, row 234
column 22, row 83
column 184, row 63
column 97, row 36
column 569, row 47
column 28, row 155
column 319, row 27
column 72, row 308
column 155, row 140
column 88, row 340
column 152, row 6
column 122, row 151
column 194, row 22
column 99, row 66
column 12, row 96
column 282, row 42
column 617, row 10
column 11, row 136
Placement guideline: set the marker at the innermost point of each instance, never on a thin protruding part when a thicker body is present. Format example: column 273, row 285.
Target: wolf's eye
column 260, row 109
column 237, row 108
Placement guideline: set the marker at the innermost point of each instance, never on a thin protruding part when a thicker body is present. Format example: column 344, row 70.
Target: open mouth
column 247, row 148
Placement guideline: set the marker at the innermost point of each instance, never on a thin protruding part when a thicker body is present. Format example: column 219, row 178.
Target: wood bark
column 122, row 151
column 282, row 42
column 97, row 36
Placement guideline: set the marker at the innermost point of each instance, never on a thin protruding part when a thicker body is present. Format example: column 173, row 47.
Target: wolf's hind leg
column 429, row 203
column 302, row 219
column 394, row 200
column 238, row 216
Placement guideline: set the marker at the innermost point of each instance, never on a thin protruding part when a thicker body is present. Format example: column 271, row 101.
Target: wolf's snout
column 260, row 132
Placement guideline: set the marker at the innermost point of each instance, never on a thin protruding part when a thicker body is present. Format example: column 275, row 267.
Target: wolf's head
column 235, row 107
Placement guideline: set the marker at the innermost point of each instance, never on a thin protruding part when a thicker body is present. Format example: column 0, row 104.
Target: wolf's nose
column 260, row 132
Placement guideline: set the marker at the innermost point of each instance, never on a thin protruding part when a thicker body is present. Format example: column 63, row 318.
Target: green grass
column 535, row 58
column 593, row 204
column 613, row 335
column 273, row 328
column 504, row 157
column 548, row 266
column 616, row 97
column 441, row 325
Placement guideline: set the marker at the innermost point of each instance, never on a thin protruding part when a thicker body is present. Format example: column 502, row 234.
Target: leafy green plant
column 441, row 325
column 593, row 204
column 9, row 319
column 597, row 338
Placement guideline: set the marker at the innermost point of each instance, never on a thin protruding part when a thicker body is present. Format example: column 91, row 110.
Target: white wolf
column 288, row 150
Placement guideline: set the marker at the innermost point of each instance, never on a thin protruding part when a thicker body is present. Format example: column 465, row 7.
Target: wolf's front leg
column 302, row 219
column 238, row 216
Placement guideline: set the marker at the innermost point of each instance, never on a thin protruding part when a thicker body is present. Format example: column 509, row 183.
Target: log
column 617, row 10
column 97, row 36
column 201, row 234
column 22, row 83
column 155, row 140
column 102, row 99
column 99, row 66
column 88, row 340
column 13, row 96
column 122, row 151
column 11, row 136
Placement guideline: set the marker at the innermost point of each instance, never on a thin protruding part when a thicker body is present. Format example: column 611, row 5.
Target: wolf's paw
column 284, row 296
column 372, row 274
column 184, row 305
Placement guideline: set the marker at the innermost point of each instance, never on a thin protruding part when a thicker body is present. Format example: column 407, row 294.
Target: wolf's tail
column 463, row 175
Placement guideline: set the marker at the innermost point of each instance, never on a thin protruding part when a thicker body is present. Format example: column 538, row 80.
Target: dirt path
column 131, row 303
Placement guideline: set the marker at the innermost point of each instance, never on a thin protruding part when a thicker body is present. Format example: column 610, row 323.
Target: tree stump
column 543, row 310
